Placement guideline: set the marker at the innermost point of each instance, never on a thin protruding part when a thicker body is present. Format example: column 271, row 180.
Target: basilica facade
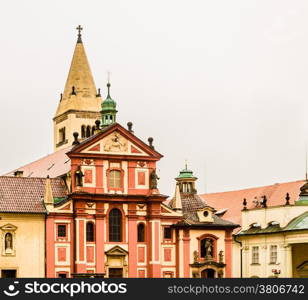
column 103, row 213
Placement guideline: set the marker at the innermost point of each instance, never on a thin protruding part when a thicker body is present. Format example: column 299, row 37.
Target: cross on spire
column 79, row 28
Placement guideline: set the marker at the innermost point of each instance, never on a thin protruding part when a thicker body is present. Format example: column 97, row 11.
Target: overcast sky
column 222, row 84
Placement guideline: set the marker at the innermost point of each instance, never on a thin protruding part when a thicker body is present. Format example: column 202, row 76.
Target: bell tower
column 80, row 104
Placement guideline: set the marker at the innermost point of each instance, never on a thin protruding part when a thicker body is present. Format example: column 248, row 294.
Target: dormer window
column 255, row 225
column 273, row 223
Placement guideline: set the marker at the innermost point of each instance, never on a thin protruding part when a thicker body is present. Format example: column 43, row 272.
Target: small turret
column 108, row 111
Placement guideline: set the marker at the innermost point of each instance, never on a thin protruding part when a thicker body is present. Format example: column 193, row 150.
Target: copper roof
column 25, row 195
column 54, row 165
column 233, row 200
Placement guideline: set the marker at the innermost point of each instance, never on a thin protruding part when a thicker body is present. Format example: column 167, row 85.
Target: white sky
column 220, row 83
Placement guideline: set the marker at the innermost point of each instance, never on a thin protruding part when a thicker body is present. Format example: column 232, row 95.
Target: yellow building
column 22, row 225
column 275, row 239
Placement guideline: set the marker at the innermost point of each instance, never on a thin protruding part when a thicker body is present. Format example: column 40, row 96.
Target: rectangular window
column 62, row 135
column 115, row 179
column 273, row 254
column 62, row 275
column 62, row 231
column 167, row 233
column 255, row 255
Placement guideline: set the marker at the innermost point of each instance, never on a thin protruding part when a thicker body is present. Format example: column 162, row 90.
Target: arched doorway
column 208, row 273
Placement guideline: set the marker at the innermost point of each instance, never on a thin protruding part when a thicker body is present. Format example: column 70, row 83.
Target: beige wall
column 292, row 246
column 29, row 244
column 73, row 124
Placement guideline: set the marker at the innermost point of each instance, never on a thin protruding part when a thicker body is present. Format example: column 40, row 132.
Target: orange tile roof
column 25, row 195
column 54, row 165
column 233, row 200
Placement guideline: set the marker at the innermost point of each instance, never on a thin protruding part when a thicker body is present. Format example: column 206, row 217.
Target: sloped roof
column 233, row 200
column 298, row 223
column 25, row 195
column 190, row 204
column 54, row 165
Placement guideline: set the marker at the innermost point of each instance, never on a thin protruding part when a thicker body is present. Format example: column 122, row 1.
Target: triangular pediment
column 115, row 140
column 116, row 251
column 8, row 227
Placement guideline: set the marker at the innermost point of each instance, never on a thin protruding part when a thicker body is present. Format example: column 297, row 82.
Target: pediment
column 115, row 140
column 115, row 143
column 116, row 251
column 8, row 227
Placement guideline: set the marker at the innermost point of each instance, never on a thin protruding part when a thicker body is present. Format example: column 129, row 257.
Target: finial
column 108, row 84
column 61, row 95
column 97, row 123
column 186, row 164
column 264, row 204
column 98, row 92
column 130, row 127
column 79, row 28
column 75, row 135
column 287, row 199
column 150, row 140
column 245, row 204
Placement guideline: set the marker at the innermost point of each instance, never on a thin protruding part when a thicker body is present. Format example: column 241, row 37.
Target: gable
column 115, row 143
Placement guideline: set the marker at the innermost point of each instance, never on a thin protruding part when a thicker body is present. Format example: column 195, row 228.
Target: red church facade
column 114, row 222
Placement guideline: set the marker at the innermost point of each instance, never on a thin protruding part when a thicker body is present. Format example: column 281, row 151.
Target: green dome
column 186, row 173
column 108, row 104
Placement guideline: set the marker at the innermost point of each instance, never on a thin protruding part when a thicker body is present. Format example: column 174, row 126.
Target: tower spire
column 80, row 103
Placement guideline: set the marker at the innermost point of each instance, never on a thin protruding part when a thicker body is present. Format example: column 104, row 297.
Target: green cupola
column 108, row 111
column 186, row 181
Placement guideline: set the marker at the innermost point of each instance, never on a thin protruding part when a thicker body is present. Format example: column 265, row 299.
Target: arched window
column 90, row 232
column 93, row 130
column 83, row 131
column 115, row 225
column 141, row 232
column 115, row 179
column 88, row 133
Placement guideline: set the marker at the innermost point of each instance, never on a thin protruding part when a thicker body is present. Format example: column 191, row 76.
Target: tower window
column 62, row 135
column 93, row 130
column 62, row 231
column 88, row 133
column 115, row 179
column 115, row 225
column 140, row 232
column 83, row 131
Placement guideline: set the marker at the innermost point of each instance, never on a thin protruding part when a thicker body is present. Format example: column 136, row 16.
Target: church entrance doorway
column 115, row 272
column 208, row 273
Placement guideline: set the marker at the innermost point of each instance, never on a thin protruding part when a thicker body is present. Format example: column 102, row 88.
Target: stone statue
column 153, row 180
column 8, row 241
column 196, row 256
column 208, row 249
column 79, row 175
column 221, row 256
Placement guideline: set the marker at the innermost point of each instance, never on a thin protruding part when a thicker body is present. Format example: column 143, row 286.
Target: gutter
column 241, row 253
